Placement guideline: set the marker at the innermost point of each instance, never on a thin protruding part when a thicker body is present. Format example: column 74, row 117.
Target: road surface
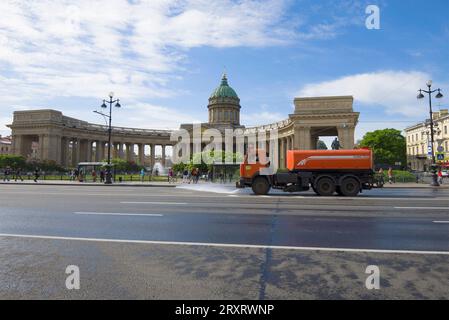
column 214, row 242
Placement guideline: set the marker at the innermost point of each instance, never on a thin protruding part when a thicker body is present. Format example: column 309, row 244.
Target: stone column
column 282, row 153
column 40, row 152
column 163, row 155
column 142, row 154
column 130, row 151
column 99, row 152
column 346, row 136
column 89, row 151
column 302, row 138
column 120, row 150
column 313, row 142
column 76, row 152
column 153, row 155
column 17, row 147
column 63, row 156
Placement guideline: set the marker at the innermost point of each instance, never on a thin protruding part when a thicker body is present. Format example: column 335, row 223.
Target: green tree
column 12, row 161
column 389, row 146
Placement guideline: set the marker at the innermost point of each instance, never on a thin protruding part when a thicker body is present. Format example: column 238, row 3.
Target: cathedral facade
column 50, row 135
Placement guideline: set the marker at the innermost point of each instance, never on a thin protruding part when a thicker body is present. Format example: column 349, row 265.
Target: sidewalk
column 91, row 184
column 414, row 185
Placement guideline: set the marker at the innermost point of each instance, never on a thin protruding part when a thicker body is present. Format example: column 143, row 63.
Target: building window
column 445, row 129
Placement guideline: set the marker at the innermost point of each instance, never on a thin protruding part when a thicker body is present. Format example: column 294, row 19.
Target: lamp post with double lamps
column 439, row 95
column 109, row 116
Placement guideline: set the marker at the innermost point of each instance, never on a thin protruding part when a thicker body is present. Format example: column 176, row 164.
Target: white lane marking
column 161, row 203
column 233, row 196
column 120, row 214
column 224, row 245
column 441, row 222
column 423, row 208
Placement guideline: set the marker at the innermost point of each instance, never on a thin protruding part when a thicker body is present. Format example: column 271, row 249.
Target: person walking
column 197, row 176
column 36, row 174
column 102, row 176
column 170, row 176
column 18, row 174
column 185, row 176
column 390, row 175
column 440, row 176
column 6, row 174
column 142, row 175
column 381, row 176
column 94, row 176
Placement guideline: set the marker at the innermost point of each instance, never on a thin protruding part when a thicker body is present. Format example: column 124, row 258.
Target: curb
column 416, row 187
column 88, row 185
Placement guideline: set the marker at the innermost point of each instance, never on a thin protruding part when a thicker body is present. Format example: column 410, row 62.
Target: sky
column 164, row 58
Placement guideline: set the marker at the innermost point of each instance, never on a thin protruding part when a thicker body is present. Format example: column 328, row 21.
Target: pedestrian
column 81, row 176
column 390, row 175
column 197, row 175
column 440, row 176
column 6, row 174
column 381, row 176
column 192, row 176
column 102, row 176
column 18, row 174
column 142, row 175
column 185, row 176
column 36, row 174
column 94, row 176
column 170, row 176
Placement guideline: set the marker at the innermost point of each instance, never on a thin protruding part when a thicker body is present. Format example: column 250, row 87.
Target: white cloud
column 143, row 115
column 393, row 91
column 83, row 48
column 261, row 118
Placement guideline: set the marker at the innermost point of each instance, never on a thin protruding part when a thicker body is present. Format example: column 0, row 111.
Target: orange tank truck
column 327, row 172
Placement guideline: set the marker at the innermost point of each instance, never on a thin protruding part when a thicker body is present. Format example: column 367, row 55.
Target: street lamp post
column 432, row 133
column 109, row 116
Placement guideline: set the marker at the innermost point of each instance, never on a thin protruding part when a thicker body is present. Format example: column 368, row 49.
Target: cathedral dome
column 224, row 105
column 224, row 90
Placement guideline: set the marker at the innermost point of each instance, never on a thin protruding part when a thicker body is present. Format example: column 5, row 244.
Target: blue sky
column 164, row 58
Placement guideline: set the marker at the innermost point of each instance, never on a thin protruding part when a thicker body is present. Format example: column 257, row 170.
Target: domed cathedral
column 224, row 106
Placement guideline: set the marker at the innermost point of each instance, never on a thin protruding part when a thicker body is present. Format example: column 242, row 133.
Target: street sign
column 440, row 156
column 440, row 149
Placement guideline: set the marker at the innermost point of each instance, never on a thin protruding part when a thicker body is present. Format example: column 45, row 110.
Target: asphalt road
column 214, row 242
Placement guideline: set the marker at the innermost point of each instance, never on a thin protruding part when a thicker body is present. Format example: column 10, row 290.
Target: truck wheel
column 350, row 187
column 261, row 186
column 325, row 187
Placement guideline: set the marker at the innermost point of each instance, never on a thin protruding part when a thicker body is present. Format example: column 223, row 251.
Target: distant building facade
column 5, row 145
column 418, row 141
column 50, row 135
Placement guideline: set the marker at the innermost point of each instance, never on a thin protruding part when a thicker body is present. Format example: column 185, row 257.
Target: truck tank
column 309, row 160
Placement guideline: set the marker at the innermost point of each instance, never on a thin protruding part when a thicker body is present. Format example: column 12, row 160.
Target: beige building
column 50, row 135
column 418, row 141
column 5, row 145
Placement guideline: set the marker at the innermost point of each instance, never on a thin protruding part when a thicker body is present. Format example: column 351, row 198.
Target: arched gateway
column 49, row 135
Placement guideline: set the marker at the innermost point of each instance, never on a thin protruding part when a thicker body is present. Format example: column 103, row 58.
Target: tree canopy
column 389, row 146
